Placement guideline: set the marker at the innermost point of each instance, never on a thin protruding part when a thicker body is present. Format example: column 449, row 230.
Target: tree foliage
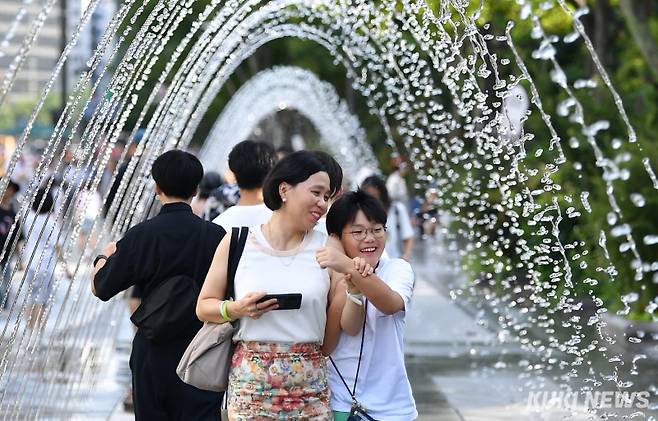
column 626, row 55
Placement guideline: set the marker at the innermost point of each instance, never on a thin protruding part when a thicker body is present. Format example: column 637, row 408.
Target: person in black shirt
column 149, row 253
column 7, row 216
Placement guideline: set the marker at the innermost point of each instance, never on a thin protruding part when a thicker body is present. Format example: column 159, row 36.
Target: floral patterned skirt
column 278, row 381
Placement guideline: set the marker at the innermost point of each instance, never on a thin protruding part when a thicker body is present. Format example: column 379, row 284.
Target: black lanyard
column 358, row 367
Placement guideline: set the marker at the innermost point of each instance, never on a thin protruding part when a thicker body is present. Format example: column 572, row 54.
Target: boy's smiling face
column 364, row 238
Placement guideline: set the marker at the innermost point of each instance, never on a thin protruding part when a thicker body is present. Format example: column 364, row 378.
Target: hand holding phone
column 285, row 301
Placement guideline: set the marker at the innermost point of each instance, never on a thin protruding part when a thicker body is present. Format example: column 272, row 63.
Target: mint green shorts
column 341, row 416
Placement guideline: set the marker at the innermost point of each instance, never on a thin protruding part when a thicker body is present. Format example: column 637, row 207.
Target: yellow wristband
column 223, row 311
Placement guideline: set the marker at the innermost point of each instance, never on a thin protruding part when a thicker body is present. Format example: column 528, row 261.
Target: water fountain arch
column 293, row 88
column 437, row 83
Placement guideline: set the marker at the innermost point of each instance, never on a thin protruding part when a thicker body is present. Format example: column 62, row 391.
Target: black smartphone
column 285, row 301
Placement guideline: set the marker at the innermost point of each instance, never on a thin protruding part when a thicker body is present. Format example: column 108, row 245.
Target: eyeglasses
column 360, row 234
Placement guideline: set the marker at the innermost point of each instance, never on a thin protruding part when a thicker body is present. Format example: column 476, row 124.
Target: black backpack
column 169, row 308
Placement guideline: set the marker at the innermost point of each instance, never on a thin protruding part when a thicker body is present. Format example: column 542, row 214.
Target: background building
column 37, row 68
column 36, row 71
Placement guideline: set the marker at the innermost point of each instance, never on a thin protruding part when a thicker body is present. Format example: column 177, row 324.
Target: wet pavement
column 452, row 363
column 65, row 368
column 463, row 367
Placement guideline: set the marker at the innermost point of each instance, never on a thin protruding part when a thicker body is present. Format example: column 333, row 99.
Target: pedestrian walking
column 400, row 232
column 7, row 217
column 170, row 252
column 41, row 232
column 201, row 202
column 395, row 183
column 250, row 162
column 131, row 149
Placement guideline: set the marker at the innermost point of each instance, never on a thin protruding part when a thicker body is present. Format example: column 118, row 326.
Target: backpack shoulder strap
column 238, row 240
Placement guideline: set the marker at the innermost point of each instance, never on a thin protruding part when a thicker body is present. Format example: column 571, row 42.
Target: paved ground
column 459, row 370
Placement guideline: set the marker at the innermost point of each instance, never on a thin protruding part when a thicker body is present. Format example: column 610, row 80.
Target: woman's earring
column 283, row 199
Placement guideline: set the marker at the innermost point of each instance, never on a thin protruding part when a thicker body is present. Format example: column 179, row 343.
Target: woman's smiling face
column 308, row 200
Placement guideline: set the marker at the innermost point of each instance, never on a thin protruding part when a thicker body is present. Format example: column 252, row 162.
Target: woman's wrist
column 354, row 273
column 223, row 311
column 232, row 310
column 347, row 265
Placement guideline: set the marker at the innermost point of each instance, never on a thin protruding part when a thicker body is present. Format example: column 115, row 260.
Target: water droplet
column 584, row 83
column 630, row 297
column 584, row 200
column 571, row 37
column 611, row 218
column 594, row 128
column 650, row 240
column 638, row 200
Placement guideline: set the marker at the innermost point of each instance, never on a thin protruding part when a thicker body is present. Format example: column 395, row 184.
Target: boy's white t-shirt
column 383, row 387
column 398, row 228
column 243, row 216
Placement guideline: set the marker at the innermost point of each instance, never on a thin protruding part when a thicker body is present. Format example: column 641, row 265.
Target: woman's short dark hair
column 177, row 173
column 297, row 168
column 334, row 170
column 48, row 202
column 343, row 211
column 379, row 184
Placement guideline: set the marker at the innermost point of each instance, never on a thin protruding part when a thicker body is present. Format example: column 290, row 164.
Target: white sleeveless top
column 263, row 268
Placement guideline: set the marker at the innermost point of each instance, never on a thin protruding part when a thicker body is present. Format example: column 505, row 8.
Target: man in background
column 249, row 162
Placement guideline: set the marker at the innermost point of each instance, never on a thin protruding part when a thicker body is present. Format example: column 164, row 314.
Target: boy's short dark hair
column 177, row 173
column 379, row 184
column 250, row 162
column 297, row 168
column 344, row 210
column 48, row 202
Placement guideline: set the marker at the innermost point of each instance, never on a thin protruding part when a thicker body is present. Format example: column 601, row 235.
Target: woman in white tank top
column 278, row 369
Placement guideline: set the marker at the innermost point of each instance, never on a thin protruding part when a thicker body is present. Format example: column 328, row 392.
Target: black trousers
column 158, row 393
